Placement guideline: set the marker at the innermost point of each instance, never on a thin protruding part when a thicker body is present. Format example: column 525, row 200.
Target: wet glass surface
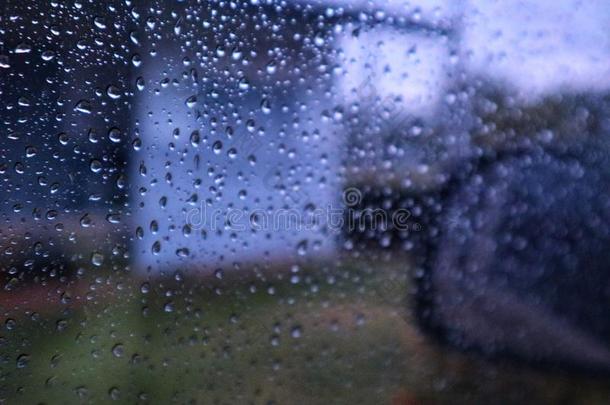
column 304, row 201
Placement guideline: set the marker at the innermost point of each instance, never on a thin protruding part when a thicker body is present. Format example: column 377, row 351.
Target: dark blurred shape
column 520, row 267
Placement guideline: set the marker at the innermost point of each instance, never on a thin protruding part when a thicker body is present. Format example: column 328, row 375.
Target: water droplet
column 217, row 147
column 178, row 27
column 4, row 62
column 302, row 247
column 168, row 307
column 63, row 138
column 271, row 67
column 23, row 360
column 243, row 84
column 97, row 259
column 296, row 332
column 266, row 106
column 145, row 288
column 85, row 221
column 114, row 393
column 136, row 60
column 99, row 23
column 114, row 134
column 10, row 324
column 113, row 218
column 133, row 36
column 140, row 83
column 95, row 166
column 30, row 151
column 23, row 48
column 113, row 92
column 182, row 252
column 195, row 138
column 191, row 102
column 83, row 106
column 136, row 144
column 47, row 55
column 236, row 54
column 118, row 350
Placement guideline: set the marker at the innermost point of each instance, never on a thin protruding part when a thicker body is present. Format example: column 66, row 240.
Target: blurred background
column 225, row 201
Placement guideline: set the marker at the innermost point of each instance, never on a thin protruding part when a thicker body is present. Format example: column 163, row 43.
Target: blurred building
column 235, row 141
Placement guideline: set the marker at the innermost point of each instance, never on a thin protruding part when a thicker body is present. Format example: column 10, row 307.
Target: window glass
column 304, row 201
